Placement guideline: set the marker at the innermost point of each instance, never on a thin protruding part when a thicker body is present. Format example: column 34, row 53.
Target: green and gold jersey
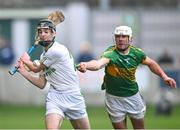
column 119, row 79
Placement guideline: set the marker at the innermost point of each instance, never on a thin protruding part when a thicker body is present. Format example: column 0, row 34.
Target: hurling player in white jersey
column 56, row 66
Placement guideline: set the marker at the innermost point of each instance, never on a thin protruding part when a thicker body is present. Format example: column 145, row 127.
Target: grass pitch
column 32, row 117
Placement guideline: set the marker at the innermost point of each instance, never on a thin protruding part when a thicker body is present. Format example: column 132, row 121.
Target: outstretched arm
column 156, row 69
column 93, row 65
column 40, row 81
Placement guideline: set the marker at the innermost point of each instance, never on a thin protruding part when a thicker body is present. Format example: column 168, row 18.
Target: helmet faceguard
column 45, row 23
column 46, row 43
column 123, row 30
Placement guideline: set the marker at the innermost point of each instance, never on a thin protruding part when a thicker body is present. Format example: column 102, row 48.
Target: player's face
column 122, row 42
column 45, row 34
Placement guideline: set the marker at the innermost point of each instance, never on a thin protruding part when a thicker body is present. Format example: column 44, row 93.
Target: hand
column 21, row 67
column 82, row 67
column 25, row 58
column 170, row 82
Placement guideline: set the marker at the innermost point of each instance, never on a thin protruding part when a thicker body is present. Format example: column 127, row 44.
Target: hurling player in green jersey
column 122, row 97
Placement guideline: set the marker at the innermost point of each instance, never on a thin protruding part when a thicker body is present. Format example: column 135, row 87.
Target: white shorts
column 118, row 107
column 70, row 105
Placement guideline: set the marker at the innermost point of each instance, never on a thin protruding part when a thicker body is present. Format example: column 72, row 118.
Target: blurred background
column 87, row 31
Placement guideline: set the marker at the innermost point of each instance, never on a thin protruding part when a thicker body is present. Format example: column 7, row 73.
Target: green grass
column 32, row 117
column 15, row 117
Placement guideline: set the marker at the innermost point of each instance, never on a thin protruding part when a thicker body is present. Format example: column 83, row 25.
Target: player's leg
column 120, row 125
column 82, row 123
column 116, row 111
column 136, row 110
column 54, row 113
column 137, row 123
column 53, row 121
column 76, row 112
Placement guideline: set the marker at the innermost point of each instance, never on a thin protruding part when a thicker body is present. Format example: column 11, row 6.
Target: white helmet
column 123, row 30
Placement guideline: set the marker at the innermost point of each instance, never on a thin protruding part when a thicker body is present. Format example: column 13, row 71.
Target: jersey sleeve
column 141, row 55
column 53, row 56
column 108, row 52
column 48, row 59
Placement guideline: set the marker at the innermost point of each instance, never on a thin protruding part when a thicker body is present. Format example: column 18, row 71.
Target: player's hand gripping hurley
column 14, row 69
column 56, row 17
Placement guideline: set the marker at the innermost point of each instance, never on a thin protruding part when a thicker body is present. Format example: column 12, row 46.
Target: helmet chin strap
column 46, row 43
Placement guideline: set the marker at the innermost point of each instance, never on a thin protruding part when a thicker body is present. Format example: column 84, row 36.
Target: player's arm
column 31, row 66
column 93, row 65
column 38, row 81
column 156, row 69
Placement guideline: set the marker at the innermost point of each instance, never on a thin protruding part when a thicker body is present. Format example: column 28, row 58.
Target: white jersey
column 60, row 71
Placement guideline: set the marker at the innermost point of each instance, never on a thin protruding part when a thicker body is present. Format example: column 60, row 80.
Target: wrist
column 164, row 77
